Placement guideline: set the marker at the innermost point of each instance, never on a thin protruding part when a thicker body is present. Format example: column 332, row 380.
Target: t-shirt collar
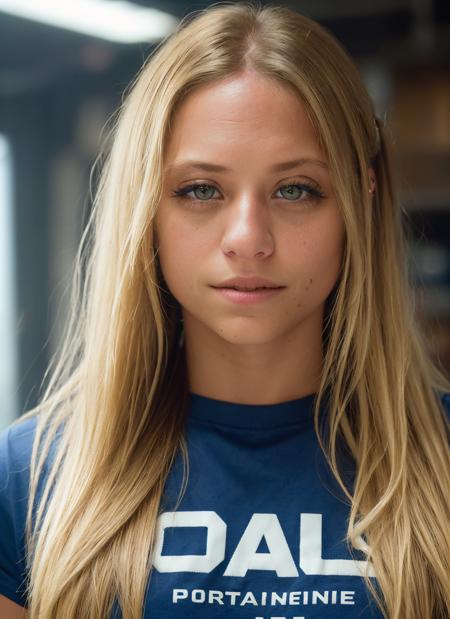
column 252, row 416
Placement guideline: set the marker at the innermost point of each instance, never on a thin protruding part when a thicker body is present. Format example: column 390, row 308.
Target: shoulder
column 16, row 443
column 16, row 446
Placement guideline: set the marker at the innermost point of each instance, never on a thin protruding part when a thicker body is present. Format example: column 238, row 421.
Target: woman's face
column 254, row 217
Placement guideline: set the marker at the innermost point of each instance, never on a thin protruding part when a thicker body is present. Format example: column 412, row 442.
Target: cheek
column 321, row 250
column 179, row 255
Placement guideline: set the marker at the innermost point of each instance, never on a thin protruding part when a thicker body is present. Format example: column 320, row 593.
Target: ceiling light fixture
column 113, row 20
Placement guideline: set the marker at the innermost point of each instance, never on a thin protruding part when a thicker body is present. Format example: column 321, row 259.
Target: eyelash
column 315, row 193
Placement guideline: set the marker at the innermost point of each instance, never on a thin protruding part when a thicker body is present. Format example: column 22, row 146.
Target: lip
column 247, row 297
column 248, row 282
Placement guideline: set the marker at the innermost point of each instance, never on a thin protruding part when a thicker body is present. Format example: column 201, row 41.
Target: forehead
column 249, row 114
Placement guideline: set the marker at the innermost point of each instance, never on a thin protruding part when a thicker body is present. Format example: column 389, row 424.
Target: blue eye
column 313, row 193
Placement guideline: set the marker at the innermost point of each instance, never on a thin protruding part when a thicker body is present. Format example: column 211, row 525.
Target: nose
column 248, row 232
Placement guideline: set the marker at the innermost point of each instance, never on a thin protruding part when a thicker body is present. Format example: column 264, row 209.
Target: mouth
column 242, row 289
column 249, row 295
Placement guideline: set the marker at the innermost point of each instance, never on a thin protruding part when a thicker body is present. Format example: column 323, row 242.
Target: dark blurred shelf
column 435, row 302
column 424, row 178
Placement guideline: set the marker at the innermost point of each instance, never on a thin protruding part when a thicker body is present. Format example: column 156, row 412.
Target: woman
column 207, row 448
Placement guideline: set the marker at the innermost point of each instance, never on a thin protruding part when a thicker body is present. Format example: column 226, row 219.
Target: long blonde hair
column 110, row 406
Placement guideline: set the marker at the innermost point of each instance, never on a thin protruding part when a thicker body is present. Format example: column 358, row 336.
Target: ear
column 372, row 179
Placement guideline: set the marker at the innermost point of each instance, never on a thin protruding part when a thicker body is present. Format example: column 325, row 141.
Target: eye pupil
column 292, row 188
column 203, row 188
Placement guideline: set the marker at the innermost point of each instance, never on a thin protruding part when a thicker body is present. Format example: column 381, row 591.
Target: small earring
column 372, row 185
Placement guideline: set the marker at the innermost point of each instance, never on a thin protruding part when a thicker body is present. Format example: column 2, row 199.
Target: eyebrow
column 212, row 167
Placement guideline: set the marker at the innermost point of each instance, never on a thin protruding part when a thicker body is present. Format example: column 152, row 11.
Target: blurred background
column 64, row 65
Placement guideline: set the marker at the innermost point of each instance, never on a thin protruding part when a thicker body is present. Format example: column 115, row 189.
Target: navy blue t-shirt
column 259, row 534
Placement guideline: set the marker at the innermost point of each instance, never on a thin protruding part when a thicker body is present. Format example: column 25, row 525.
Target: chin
column 244, row 337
